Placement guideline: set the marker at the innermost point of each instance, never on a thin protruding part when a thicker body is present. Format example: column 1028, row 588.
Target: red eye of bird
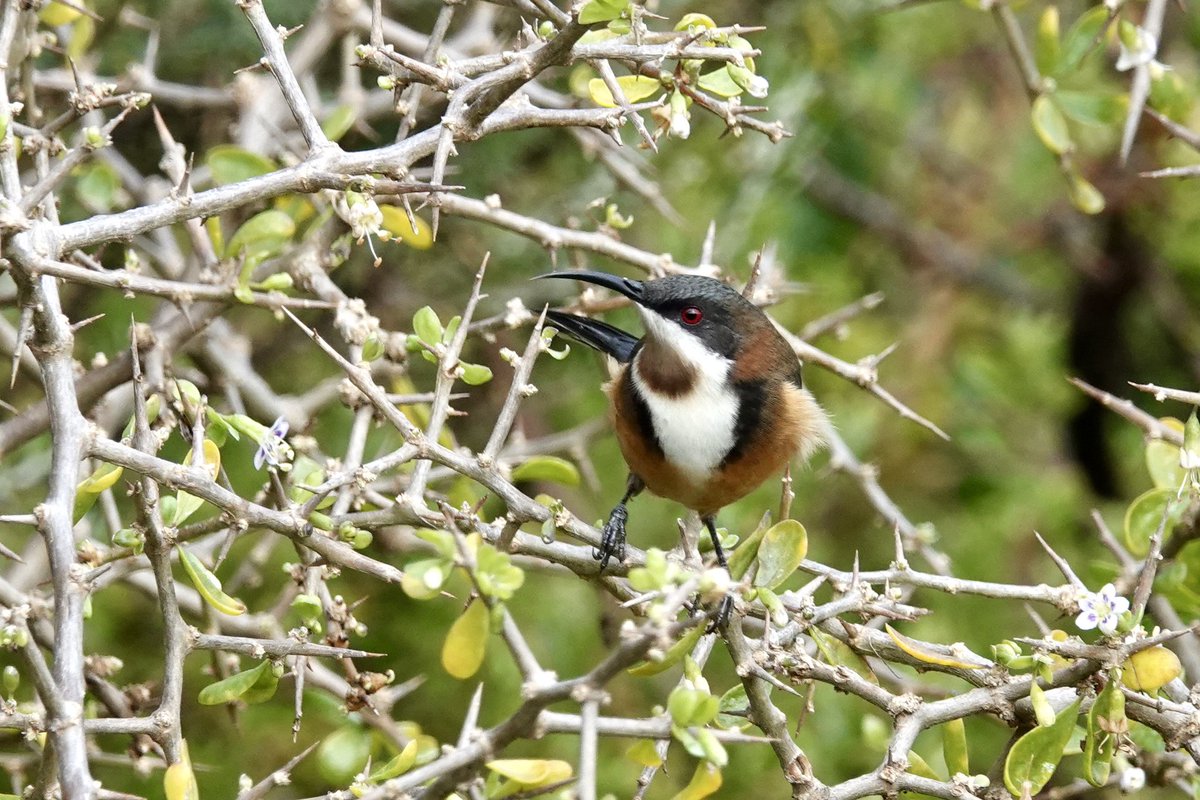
column 691, row 315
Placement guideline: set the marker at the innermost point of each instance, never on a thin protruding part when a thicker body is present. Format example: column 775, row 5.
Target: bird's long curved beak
column 630, row 288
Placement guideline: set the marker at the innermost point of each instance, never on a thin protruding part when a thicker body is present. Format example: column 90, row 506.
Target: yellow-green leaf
column 1162, row 459
column 705, row 781
column 1151, row 669
column 644, row 752
column 1047, row 47
column 233, row 687
column 547, row 468
column 923, row 652
column 532, row 772
column 783, row 548
column 920, row 767
column 208, row 586
column 55, row 14
column 954, row 747
column 1144, row 515
column 187, row 504
column 91, row 487
column 672, row 656
column 634, row 87
column 415, row 233
column 179, row 781
column 745, row 553
column 230, row 164
column 1082, row 39
column 720, row 83
column 476, row 374
column 263, row 235
column 338, row 122
column 602, row 11
column 343, row 754
column 1051, row 125
column 1084, row 195
column 427, row 326
column 466, row 643
column 1034, row 757
column 1106, row 724
column 399, row 764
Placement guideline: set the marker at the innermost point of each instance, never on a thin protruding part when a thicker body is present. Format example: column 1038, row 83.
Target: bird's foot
column 612, row 539
column 721, row 617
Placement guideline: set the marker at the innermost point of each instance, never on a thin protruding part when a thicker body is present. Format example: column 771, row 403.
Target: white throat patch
column 694, row 429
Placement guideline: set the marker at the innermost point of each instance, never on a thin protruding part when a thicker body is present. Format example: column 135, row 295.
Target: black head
column 711, row 311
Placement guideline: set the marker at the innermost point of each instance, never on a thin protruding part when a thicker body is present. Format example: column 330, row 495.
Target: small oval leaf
column 634, row 87
column 233, row 687
column 923, row 652
column 783, row 548
column 705, row 781
column 208, row 586
column 231, row 164
column 547, row 468
column 415, row 233
column 532, row 772
column 1051, row 125
column 1034, row 757
column 466, row 643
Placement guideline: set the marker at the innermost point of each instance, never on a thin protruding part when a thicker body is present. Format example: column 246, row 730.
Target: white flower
column 363, row 214
column 1132, row 780
column 272, row 448
column 757, row 86
column 1101, row 610
column 1143, row 52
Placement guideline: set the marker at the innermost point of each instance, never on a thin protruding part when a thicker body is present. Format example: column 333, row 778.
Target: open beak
column 630, row 288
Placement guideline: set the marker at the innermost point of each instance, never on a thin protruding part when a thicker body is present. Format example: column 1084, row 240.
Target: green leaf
column 720, row 83
column 264, row 688
column 400, row 764
column 706, row 780
column 672, row 656
column 547, row 468
column 1162, row 459
column 1144, row 514
column 954, row 747
column 423, row 580
column 427, row 326
column 343, row 754
column 475, row 374
column 602, row 11
column 745, row 553
column 532, row 772
column 644, row 752
column 1034, row 757
column 233, row 687
column 783, row 548
column 634, row 87
column 1093, row 107
column 187, row 504
column 230, row 164
column 338, row 122
column 414, row 232
column 1084, row 195
column 690, row 707
column 91, row 487
column 920, row 767
column 179, row 781
column 1051, row 125
column 1083, row 38
column 498, row 577
column 262, row 236
column 1042, row 710
column 208, row 586
column 1106, row 724
column 1047, row 47
column 466, row 643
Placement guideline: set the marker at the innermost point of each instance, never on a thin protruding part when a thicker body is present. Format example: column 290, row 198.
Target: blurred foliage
column 920, row 107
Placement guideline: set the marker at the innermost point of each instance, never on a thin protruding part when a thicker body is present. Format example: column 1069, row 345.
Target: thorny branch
column 345, row 515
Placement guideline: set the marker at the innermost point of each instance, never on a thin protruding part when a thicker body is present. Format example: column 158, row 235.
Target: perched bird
column 706, row 406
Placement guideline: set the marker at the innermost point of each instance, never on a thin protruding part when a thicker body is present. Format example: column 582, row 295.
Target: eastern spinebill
column 706, row 406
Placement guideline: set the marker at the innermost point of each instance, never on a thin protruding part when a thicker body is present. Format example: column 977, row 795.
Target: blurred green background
column 913, row 171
